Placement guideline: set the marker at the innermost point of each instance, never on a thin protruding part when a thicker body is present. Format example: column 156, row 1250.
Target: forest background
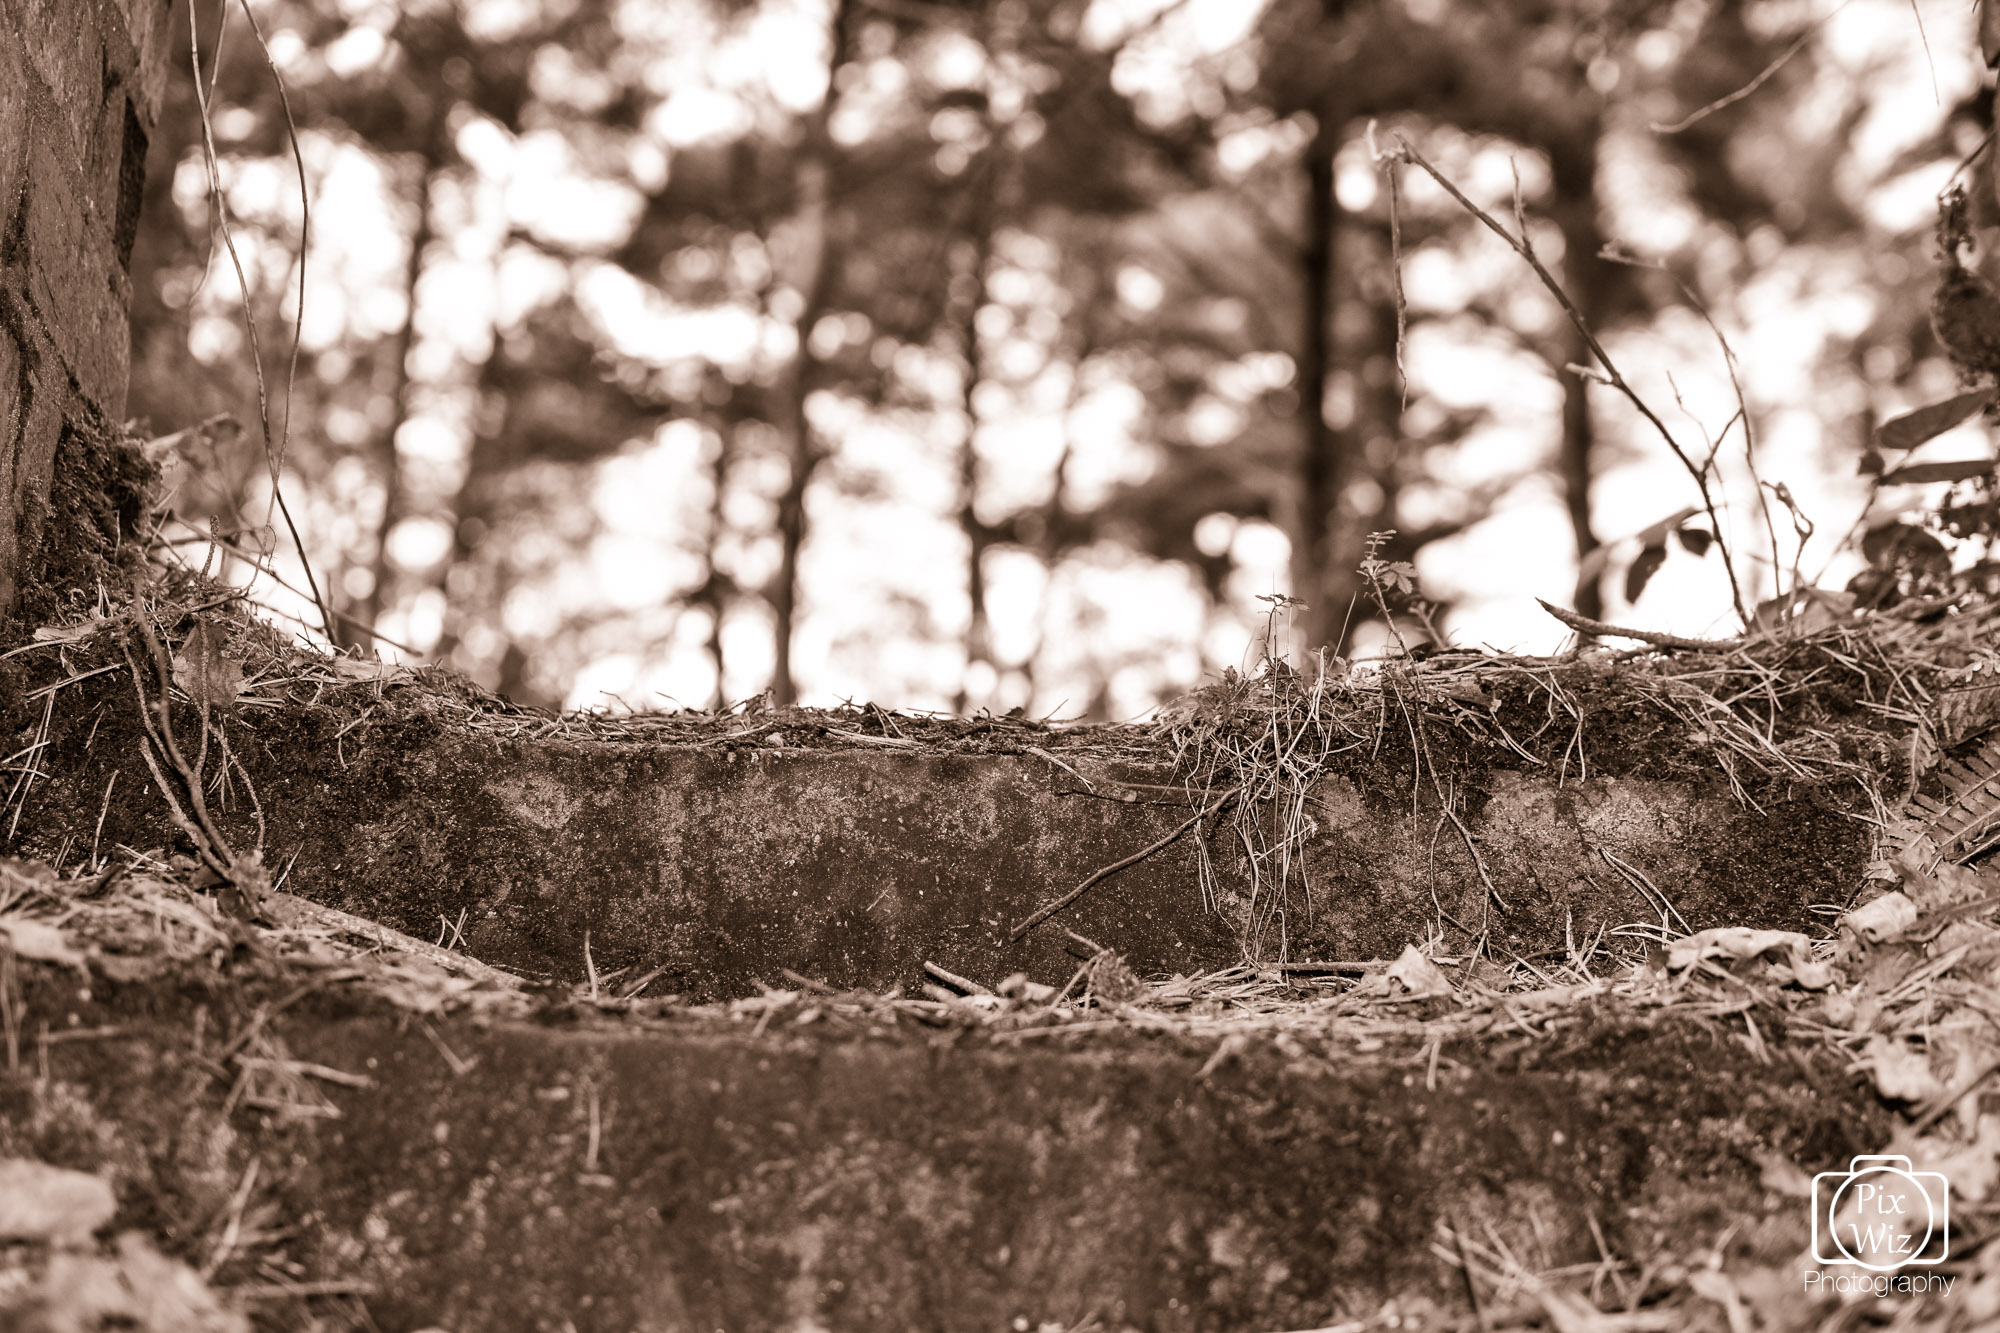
column 658, row 353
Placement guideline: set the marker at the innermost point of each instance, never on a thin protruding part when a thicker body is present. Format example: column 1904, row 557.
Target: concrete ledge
column 854, row 866
column 694, row 1175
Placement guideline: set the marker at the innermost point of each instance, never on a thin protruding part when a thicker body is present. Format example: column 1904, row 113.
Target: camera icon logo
column 1880, row 1215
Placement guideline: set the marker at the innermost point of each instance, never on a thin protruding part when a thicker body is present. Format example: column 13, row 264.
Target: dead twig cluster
column 242, row 878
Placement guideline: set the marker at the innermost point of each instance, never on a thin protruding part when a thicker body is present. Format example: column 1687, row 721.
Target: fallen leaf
column 1695, row 541
column 1895, row 544
column 1657, row 532
column 1964, row 713
column 1472, row 692
column 1884, row 918
column 202, row 670
column 1902, row 1072
column 1972, row 1167
column 1418, row 974
column 1741, row 942
column 1646, row 564
column 26, row 876
column 140, row 1288
column 39, row 1202
column 40, row 941
column 77, row 633
column 1780, row 1175
column 132, row 967
column 364, row 668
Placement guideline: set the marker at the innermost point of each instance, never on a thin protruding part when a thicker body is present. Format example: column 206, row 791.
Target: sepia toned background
column 656, row 353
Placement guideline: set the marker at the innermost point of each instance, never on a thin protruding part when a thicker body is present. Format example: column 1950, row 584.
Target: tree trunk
column 1324, row 463
column 390, row 461
column 978, row 647
column 716, row 588
column 472, row 512
column 804, row 452
column 1574, row 206
column 80, row 90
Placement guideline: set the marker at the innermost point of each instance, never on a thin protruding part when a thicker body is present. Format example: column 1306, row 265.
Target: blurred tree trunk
column 388, row 459
column 472, row 511
column 1051, row 531
column 1573, row 205
column 1325, row 464
column 978, row 646
column 820, row 265
column 716, row 588
column 981, row 187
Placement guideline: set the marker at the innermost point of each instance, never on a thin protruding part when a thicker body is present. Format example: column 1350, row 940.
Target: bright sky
column 884, row 577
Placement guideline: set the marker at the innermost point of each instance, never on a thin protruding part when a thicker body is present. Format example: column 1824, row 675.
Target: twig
column 156, row 717
column 632, row 991
column 291, row 1291
column 1585, row 625
column 1742, row 411
column 1334, row 969
column 896, row 742
column 1954, row 1096
column 1040, row 753
column 1091, row 948
column 26, row 783
column 1465, row 1270
column 1648, row 890
column 1106, row 872
column 259, row 562
column 964, row 985
column 302, row 912
column 1395, row 262
column 225, row 1244
column 1478, row 861
column 325, row 1073
column 273, row 456
column 1731, row 99
column 460, row 1065
column 1610, row 375
column 102, row 811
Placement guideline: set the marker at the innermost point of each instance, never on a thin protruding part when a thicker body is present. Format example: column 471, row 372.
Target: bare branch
column 1610, row 374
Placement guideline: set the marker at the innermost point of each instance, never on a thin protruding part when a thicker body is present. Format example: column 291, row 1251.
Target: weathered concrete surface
column 855, row 866
column 696, row 1175
column 80, row 90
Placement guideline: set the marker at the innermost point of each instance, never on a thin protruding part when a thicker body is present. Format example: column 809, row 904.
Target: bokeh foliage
column 996, row 354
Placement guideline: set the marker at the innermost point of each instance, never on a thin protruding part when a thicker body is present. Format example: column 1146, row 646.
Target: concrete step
column 819, row 1163
column 725, row 862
